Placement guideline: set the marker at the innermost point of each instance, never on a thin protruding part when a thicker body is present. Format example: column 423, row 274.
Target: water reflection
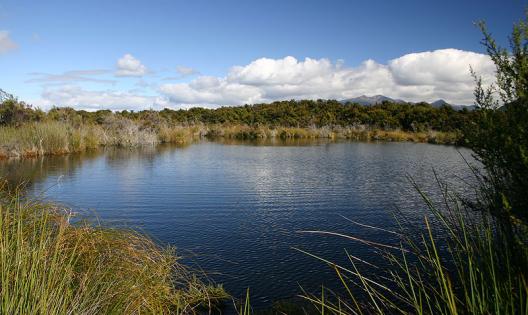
column 239, row 207
column 34, row 170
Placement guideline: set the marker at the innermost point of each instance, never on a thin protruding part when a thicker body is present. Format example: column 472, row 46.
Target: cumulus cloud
column 211, row 91
column 6, row 43
column 129, row 66
column 80, row 98
column 439, row 66
column 424, row 76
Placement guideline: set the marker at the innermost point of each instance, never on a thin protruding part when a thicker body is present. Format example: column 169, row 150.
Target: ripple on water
column 236, row 210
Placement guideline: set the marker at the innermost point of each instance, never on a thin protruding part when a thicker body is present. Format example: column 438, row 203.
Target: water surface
column 236, row 209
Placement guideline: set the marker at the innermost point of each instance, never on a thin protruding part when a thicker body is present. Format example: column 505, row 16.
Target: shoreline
column 56, row 138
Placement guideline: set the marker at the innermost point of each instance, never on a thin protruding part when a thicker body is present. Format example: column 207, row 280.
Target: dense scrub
column 300, row 114
column 25, row 131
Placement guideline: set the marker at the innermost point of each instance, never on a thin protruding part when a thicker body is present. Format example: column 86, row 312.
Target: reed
column 50, row 265
column 53, row 137
column 37, row 139
column 176, row 134
column 461, row 263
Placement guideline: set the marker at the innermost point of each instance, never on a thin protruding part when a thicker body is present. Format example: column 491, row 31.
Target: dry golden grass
column 51, row 138
column 51, row 266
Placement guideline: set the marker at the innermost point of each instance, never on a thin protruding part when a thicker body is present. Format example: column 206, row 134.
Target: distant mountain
column 439, row 103
column 371, row 100
column 378, row 99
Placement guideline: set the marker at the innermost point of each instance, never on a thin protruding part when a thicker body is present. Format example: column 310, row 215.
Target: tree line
column 293, row 113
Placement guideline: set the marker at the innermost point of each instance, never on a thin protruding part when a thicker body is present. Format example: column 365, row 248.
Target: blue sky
column 140, row 54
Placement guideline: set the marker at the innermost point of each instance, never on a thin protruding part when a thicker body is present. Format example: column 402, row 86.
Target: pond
column 236, row 210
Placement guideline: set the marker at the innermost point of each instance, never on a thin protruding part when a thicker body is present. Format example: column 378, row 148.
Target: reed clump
column 356, row 133
column 176, row 134
column 50, row 265
column 45, row 138
column 54, row 138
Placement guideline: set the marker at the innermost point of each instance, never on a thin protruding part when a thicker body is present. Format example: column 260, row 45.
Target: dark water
column 235, row 210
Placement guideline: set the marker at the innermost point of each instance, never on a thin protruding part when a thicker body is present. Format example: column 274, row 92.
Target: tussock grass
column 357, row 133
column 53, row 137
column 50, row 265
column 364, row 134
column 176, row 134
column 44, row 138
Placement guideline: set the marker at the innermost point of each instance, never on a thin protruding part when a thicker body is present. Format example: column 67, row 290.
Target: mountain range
column 378, row 99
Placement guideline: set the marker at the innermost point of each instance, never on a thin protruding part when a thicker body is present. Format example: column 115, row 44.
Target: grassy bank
column 53, row 137
column 358, row 133
column 50, row 265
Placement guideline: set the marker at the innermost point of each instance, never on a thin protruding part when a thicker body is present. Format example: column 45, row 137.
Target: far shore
column 56, row 138
column 29, row 132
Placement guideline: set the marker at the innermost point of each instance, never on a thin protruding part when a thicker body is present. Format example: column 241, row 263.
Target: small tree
column 14, row 112
column 499, row 135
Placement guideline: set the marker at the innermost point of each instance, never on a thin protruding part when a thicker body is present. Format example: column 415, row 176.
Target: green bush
column 499, row 134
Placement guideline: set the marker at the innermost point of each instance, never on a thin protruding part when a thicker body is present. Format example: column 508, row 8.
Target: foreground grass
column 49, row 265
column 457, row 262
column 462, row 263
column 53, row 137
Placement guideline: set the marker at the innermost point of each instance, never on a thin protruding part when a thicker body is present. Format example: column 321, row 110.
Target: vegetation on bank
column 52, row 137
column 25, row 131
column 51, row 262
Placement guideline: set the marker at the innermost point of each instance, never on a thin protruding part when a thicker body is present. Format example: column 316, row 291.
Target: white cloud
column 6, row 43
column 211, row 91
column 424, row 76
column 288, row 70
column 129, row 66
column 439, row 66
column 80, row 98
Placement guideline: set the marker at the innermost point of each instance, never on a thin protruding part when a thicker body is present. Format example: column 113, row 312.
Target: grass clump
column 460, row 263
column 175, row 134
column 50, row 265
column 43, row 138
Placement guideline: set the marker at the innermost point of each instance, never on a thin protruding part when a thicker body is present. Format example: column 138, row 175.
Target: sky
column 179, row 54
